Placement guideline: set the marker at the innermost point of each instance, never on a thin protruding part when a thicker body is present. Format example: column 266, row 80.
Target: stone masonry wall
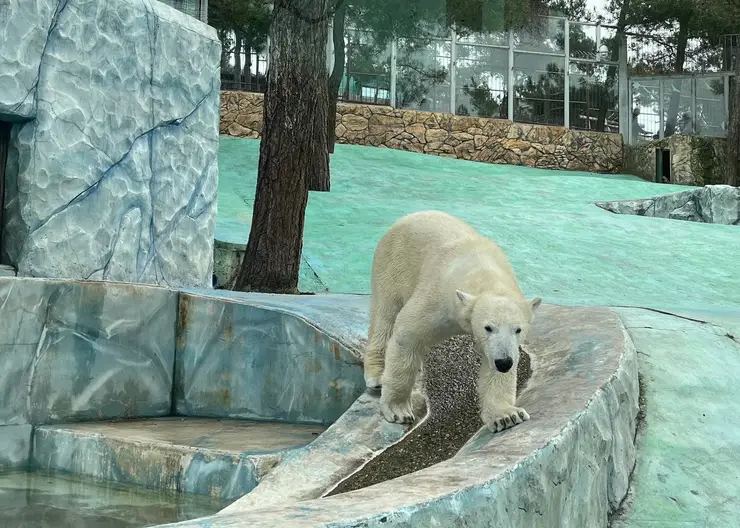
column 470, row 138
column 113, row 159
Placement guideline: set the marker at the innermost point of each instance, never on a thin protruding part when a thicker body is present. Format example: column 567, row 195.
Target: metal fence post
column 394, row 71
column 693, row 85
column 510, row 81
column 624, row 92
column 566, row 75
column 453, row 62
column 661, row 108
column 627, row 123
column 727, row 101
column 204, row 11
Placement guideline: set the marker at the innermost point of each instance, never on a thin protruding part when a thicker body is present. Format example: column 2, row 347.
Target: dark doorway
column 4, row 142
column 662, row 165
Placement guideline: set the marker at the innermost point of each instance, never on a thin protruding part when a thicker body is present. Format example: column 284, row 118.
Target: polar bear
column 434, row 276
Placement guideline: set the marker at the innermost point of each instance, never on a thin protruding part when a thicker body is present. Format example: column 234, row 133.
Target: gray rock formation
column 112, row 169
column 713, row 204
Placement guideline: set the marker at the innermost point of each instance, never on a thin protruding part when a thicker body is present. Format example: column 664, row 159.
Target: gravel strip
column 450, row 375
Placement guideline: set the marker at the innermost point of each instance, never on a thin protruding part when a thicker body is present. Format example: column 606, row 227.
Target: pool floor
column 54, row 500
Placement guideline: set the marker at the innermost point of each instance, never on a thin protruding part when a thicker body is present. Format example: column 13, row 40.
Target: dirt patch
column 450, row 375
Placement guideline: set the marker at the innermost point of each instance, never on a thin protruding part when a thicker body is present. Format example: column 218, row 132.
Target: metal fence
column 730, row 49
column 252, row 75
column 579, row 75
column 195, row 8
column 558, row 73
column 662, row 106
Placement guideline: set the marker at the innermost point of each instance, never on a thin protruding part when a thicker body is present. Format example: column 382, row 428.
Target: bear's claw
column 400, row 413
column 500, row 419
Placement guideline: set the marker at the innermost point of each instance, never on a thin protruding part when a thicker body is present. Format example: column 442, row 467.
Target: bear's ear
column 535, row 303
column 465, row 298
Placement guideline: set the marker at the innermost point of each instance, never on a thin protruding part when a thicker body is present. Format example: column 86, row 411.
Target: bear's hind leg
column 497, row 395
column 403, row 357
column 383, row 314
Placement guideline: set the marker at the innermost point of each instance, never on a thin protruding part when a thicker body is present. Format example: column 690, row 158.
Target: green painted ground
column 570, row 252
column 688, row 472
column 562, row 246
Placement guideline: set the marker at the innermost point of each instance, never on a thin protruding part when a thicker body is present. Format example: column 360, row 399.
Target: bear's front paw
column 401, row 413
column 499, row 419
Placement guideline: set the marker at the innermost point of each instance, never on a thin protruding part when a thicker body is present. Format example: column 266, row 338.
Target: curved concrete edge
column 568, row 466
column 238, row 359
column 307, row 473
column 341, row 316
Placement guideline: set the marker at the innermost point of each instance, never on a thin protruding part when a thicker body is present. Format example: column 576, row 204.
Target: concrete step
column 7, row 271
column 220, row 458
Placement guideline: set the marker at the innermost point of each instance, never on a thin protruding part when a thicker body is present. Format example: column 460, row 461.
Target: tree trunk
column 681, row 44
column 611, row 73
column 293, row 146
column 222, row 36
column 238, row 59
column 732, row 166
column 335, row 79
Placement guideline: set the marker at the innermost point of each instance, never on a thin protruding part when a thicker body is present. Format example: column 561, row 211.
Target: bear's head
column 498, row 325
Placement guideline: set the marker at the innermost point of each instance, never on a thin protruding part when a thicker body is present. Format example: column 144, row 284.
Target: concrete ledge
column 206, row 457
column 15, row 446
column 568, row 466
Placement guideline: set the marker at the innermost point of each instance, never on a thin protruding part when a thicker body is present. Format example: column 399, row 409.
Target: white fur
column 433, row 277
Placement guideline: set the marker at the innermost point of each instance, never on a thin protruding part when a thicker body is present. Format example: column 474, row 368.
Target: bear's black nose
column 503, row 365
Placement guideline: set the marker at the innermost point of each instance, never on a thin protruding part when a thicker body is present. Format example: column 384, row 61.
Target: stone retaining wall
column 463, row 137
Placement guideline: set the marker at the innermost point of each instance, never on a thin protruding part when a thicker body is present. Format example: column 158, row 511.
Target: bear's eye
column 489, row 329
column 518, row 331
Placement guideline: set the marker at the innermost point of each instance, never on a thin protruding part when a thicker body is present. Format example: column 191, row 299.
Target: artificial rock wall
column 112, row 167
column 471, row 138
column 694, row 160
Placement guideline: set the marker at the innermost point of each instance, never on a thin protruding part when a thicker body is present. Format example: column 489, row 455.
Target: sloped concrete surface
column 688, row 468
column 308, row 473
column 568, row 466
